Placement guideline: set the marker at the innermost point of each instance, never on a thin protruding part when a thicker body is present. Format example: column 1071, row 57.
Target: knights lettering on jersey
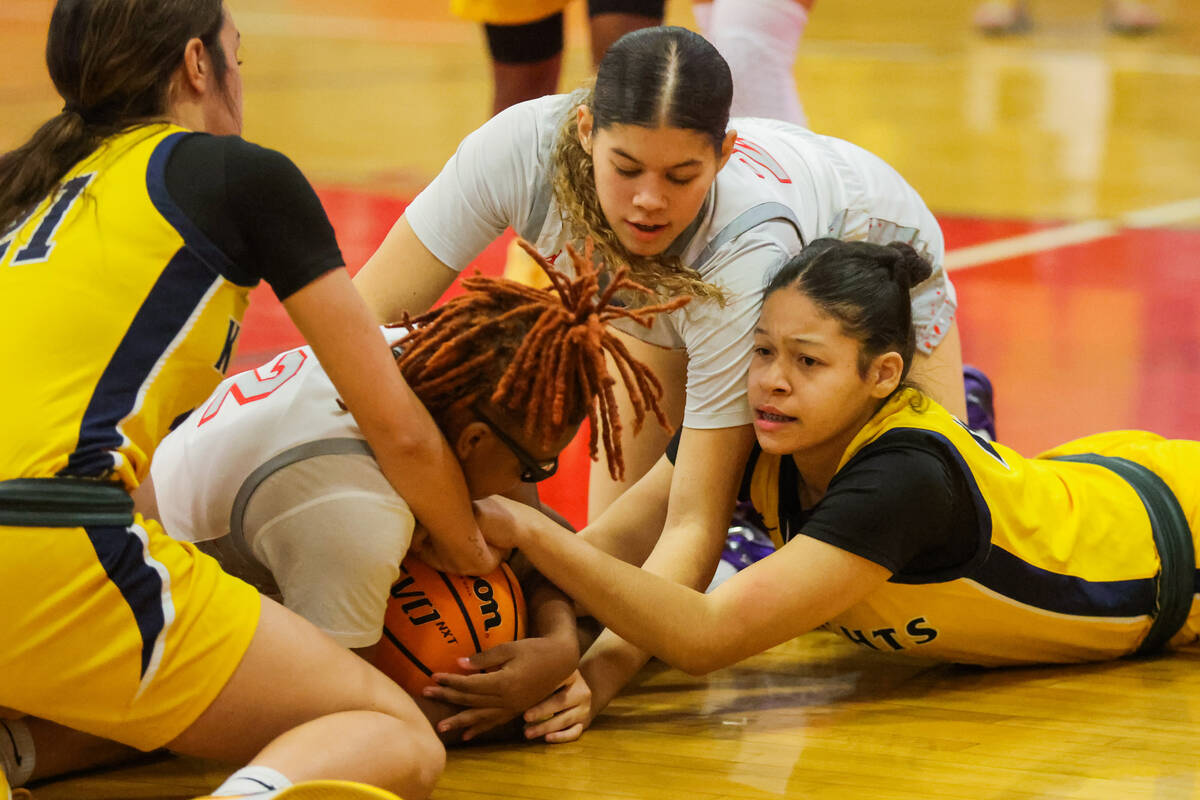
column 914, row 633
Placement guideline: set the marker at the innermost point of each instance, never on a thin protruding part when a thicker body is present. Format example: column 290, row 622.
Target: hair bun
column 908, row 267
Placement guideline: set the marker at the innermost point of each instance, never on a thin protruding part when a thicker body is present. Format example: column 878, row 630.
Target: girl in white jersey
column 649, row 166
column 278, row 481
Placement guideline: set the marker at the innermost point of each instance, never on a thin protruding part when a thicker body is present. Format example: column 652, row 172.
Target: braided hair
column 537, row 354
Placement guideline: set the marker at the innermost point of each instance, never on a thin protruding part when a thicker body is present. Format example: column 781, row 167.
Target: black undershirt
column 256, row 206
column 901, row 502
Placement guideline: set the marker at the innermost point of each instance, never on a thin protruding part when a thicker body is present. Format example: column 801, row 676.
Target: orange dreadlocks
column 537, row 353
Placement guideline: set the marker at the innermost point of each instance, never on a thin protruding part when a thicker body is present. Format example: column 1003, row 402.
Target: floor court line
column 1075, row 233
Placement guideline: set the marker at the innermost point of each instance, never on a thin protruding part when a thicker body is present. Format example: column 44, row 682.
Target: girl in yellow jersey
column 895, row 525
column 129, row 239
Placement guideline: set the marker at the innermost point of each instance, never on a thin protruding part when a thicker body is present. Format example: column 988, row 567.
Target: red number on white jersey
column 759, row 160
column 255, row 384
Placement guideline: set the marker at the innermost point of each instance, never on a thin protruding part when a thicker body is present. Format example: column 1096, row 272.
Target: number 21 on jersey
column 41, row 243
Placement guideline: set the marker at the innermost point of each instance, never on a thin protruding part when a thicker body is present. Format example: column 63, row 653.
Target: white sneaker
column 313, row 790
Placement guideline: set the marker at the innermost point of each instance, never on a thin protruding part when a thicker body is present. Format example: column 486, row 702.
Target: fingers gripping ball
column 434, row 618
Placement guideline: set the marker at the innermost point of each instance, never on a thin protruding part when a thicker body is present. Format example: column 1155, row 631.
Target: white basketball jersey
column 253, row 424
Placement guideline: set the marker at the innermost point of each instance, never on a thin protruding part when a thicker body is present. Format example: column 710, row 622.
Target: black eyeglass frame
column 534, row 471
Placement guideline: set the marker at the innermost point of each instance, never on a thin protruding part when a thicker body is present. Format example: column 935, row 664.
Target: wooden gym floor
column 1065, row 167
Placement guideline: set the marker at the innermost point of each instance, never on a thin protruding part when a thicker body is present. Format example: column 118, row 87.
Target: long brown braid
column 537, row 353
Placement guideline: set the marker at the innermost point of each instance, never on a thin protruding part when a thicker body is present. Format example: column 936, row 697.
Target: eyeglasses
column 535, row 470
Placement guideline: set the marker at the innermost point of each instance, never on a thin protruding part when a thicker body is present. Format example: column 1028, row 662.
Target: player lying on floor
column 895, row 525
column 274, row 472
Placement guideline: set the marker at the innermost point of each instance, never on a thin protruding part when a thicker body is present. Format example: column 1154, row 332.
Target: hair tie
column 99, row 115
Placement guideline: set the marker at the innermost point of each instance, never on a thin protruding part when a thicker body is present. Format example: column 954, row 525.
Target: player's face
column 651, row 182
column 805, row 389
column 223, row 106
column 492, row 466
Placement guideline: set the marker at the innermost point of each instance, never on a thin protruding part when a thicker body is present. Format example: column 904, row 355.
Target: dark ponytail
column 112, row 62
column 866, row 287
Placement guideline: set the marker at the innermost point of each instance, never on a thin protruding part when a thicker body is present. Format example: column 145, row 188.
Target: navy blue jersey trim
column 193, row 238
column 176, row 294
column 121, row 554
column 1008, row 575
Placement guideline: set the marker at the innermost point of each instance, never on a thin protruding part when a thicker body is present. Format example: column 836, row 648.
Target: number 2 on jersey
column 255, row 384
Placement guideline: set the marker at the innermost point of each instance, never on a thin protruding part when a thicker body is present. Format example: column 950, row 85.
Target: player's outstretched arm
column 350, row 346
column 800, row 587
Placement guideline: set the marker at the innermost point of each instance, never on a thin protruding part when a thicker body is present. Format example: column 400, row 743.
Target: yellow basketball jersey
column 505, row 12
column 115, row 318
column 1066, row 566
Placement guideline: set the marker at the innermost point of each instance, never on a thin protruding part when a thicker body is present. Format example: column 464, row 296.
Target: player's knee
column 421, row 758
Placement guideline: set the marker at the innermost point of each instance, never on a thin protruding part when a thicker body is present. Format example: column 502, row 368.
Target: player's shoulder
column 238, row 158
column 532, row 122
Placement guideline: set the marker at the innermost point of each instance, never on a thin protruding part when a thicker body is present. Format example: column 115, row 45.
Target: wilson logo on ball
column 489, row 609
column 434, row 618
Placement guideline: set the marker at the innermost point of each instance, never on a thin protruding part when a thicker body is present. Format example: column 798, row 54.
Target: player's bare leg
column 1131, row 17
column 1003, row 17
column 305, row 707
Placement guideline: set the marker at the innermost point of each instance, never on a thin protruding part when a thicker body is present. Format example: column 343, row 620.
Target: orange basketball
column 434, row 618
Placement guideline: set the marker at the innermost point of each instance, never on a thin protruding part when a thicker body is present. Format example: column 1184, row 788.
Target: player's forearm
column 653, row 612
column 334, row 319
column 437, row 492
column 630, row 527
column 550, row 612
column 608, row 666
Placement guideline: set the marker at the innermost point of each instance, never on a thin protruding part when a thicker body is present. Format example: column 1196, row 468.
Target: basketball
column 434, row 618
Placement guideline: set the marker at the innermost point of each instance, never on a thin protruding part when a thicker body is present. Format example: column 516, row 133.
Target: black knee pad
column 645, row 8
column 526, row 43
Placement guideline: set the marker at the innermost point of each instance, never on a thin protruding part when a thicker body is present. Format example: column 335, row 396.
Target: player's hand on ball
column 424, row 547
column 563, row 716
column 506, row 522
column 513, row 675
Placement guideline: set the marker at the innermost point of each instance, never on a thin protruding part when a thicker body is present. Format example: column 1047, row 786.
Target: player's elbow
column 699, row 654
column 699, row 662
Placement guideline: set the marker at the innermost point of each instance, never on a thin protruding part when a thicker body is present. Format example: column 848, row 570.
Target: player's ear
column 469, row 438
column 584, row 122
column 726, row 148
column 885, row 373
